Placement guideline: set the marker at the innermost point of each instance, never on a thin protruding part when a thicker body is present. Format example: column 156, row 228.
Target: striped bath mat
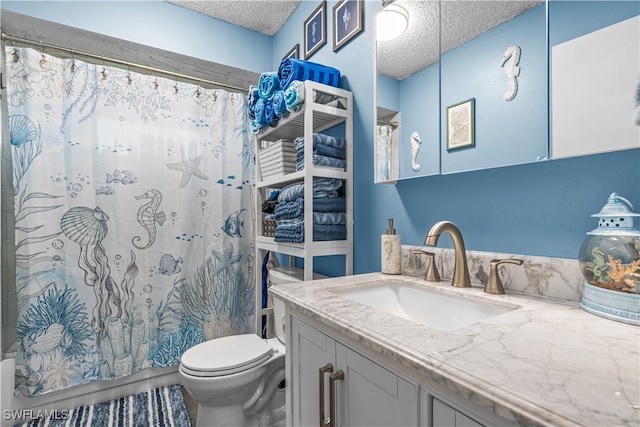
column 162, row 407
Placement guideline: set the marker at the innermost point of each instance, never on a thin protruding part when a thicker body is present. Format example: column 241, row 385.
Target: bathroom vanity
column 535, row 361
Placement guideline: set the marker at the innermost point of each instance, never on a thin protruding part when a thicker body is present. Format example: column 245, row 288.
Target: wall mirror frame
column 505, row 55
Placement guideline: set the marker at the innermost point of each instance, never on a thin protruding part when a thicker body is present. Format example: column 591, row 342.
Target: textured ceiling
column 432, row 23
column 460, row 20
column 264, row 16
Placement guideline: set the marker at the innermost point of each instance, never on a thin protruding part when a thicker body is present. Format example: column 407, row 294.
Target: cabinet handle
column 339, row 375
column 328, row 368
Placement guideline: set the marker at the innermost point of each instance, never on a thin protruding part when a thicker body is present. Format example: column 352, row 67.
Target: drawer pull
column 328, row 368
column 333, row 378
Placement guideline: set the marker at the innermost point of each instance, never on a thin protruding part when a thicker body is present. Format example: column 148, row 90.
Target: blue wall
column 506, row 133
column 160, row 25
column 541, row 208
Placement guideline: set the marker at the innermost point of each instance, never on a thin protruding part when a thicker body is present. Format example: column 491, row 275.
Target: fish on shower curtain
column 130, row 246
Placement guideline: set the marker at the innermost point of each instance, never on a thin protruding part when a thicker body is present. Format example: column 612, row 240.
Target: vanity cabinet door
column 368, row 394
column 445, row 416
column 371, row 395
column 309, row 351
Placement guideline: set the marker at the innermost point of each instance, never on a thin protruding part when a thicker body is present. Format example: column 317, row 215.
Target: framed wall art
column 461, row 125
column 348, row 18
column 315, row 30
column 294, row 53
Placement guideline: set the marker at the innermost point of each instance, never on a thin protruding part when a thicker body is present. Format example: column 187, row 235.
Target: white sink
column 430, row 308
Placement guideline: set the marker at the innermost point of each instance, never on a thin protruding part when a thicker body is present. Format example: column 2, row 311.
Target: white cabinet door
column 371, row 395
column 445, row 416
column 310, row 350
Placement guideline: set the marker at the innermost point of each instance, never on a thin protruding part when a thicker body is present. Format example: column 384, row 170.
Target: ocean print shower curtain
column 134, row 237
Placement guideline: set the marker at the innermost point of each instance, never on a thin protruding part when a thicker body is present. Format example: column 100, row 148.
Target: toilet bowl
column 238, row 380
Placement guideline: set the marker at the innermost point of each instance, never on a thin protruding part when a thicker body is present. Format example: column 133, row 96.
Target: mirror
column 595, row 76
column 451, row 53
column 408, row 75
column 494, row 84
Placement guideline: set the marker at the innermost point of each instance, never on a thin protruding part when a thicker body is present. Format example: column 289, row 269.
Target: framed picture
column 293, row 53
column 461, row 125
column 315, row 30
column 348, row 18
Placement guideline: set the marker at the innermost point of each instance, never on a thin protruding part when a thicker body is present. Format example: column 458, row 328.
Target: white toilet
column 239, row 380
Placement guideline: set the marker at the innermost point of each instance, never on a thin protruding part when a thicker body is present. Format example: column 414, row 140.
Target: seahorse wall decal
column 415, row 147
column 148, row 216
column 512, row 56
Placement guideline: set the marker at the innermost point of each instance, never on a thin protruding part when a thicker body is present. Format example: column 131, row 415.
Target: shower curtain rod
column 103, row 58
column 384, row 122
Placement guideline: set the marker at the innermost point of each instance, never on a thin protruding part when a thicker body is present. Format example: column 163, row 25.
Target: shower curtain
column 383, row 152
column 134, row 238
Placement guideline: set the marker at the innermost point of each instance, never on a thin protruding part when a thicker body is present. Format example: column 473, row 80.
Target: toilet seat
column 225, row 356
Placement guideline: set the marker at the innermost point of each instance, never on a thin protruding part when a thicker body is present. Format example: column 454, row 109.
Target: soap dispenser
column 390, row 251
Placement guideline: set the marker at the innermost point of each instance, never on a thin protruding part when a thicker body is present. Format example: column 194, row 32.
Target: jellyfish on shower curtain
column 86, row 227
column 26, row 145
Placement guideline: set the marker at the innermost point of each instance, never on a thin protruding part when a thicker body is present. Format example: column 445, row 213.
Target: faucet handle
column 494, row 284
column 431, row 275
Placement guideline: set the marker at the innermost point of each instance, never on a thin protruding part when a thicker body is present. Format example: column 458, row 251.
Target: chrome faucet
column 460, row 270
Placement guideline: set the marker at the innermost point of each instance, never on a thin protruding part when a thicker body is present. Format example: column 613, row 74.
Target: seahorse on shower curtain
column 148, row 216
column 512, row 70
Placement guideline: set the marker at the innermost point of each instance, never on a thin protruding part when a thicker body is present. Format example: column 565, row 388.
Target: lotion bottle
column 390, row 251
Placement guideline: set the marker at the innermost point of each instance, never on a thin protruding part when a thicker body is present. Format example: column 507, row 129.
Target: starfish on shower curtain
column 188, row 167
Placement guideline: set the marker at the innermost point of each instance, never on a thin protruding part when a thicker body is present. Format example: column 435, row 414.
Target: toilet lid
column 226, row 355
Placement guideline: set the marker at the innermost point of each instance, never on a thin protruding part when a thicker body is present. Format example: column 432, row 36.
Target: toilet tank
column 278, row 276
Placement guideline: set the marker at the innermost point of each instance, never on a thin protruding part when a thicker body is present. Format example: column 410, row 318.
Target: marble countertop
column 547, row 362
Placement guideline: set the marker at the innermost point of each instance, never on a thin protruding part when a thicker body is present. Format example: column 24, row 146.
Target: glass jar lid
column 616, row 217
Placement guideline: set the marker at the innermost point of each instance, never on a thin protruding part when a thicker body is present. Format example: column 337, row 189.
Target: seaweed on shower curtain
column 83, row 88
column 26, row 261
column 52, row 334
column 112, row 300
column 26, row 144
column 131, row 90
column 23, row 211
column 57, row 307
column 247, row 141
column 175, row 344
column 169, row 311
column 214, row 301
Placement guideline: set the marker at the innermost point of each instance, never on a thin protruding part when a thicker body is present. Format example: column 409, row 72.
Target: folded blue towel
column 252, row 98
column 322, row 187
column 255, row 126
column 330, row 204
column 321, row 160
column 294, row 96
column 321, row 138
column 294, row 211
column 330, row 218
column 270, row 114
column 324, row 150
column 291, row 222
column 295, row 233
column 289, row 209
column 329, row 232
column 298, row 69
column 260, row 110
column 279, row 105
column 268, row 84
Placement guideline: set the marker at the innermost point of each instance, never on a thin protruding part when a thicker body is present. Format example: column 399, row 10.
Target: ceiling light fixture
column 391, row 22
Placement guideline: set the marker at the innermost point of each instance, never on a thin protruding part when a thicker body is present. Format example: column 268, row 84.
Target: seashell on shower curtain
column 123, row 185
